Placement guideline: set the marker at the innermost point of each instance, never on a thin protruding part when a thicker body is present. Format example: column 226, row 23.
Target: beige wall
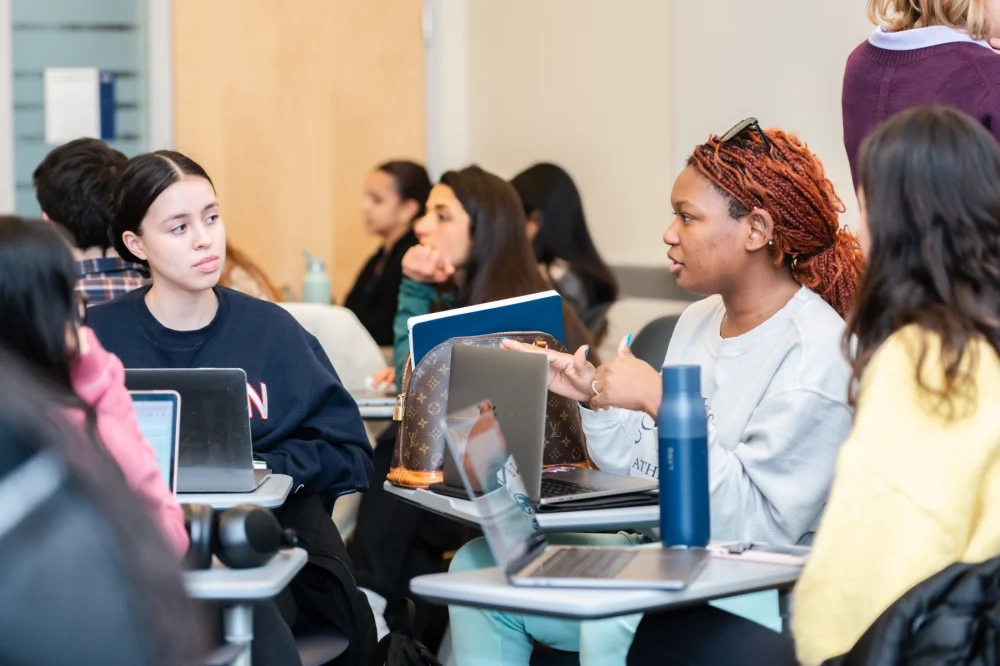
column 781, row 61
column 584, row 83
column 619, row 92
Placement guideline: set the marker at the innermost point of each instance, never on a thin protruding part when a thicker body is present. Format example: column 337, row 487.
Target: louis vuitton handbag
column 418, row 460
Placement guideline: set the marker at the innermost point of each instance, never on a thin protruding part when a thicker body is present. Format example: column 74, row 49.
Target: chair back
column 347, row 343
column 651, row 343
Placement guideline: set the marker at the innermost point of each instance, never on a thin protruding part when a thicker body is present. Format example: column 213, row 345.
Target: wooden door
column 288, row 105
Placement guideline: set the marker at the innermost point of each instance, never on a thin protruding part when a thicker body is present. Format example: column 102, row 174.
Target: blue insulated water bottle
column 682, row 425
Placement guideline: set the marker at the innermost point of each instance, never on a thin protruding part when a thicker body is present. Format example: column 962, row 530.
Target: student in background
column 557, row 228
column 394, row 197
column 73, row 185
column 241, row 274
column 41, row 320
column 780, row 275
column 302, row 421
column 918, row 479
column 922, row 52
column 473, row 250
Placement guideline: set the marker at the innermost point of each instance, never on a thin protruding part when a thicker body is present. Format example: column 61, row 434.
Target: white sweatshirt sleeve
column 770, row 486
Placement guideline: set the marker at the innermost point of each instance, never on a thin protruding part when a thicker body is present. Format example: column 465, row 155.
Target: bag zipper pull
column 397, row 411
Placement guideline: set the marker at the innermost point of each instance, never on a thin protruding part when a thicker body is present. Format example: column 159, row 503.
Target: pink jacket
column 99, row 379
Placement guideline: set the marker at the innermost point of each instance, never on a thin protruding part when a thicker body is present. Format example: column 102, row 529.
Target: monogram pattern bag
column 418, row 459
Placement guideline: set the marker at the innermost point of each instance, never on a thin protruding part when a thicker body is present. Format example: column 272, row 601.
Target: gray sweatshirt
column 777, row 415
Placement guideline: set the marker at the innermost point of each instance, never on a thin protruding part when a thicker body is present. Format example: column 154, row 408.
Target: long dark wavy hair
column 501, row 264
column 549, row 190
column 930, row 177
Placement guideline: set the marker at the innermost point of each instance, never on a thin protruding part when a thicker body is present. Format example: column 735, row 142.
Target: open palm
column 570, row 375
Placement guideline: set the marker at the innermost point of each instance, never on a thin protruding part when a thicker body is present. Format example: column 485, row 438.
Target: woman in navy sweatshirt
column 302, row 420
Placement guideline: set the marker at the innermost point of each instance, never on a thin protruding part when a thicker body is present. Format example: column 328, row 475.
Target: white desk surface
column 223, row 584
column 588, row 520
column 375, row 405
column 270, row 494
column 486, row 588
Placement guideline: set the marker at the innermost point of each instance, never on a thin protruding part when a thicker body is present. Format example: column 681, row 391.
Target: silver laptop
column 215, row 452
column 517, row 384
column 476, row 440
column 159, row 416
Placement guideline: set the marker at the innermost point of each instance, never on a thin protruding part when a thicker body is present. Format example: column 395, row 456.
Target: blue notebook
column 535, row 312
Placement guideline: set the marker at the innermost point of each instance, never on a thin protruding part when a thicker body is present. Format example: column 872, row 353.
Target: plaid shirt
column 108, row 278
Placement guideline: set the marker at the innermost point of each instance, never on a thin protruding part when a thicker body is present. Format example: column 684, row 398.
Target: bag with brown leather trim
column 418, row 460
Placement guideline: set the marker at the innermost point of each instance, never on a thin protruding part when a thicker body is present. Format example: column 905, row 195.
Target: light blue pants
column 488, row 638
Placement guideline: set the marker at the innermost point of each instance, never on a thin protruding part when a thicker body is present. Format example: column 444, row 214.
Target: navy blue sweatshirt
column 303, row 421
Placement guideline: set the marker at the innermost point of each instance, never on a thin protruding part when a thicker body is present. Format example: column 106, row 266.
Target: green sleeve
column 415, row 299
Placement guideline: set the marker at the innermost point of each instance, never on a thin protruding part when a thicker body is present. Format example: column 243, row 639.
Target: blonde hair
column 896, row 15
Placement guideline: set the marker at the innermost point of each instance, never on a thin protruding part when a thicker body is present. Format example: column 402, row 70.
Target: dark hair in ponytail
column 411, row 181
column 144, row 179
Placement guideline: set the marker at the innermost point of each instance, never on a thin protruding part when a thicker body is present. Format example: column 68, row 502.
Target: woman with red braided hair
column 756, row 230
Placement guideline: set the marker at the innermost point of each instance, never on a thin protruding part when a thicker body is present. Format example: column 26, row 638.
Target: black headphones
column 243, row 537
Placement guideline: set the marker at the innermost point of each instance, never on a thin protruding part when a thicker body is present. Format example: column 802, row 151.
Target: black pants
column 706, row 636
column 395, row 541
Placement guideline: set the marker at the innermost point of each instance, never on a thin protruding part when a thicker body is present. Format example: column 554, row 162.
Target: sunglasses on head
column 743, row 125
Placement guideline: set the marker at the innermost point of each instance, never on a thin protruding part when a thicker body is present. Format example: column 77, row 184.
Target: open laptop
column 159, row 417
column 476, row 441
column 215, row 452
column 517, row 384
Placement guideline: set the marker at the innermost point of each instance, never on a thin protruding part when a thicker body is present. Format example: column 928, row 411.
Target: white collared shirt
column 921, row 38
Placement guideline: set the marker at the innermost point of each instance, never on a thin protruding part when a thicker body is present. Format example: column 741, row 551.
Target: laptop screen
column 508, row 521
column 157, row 413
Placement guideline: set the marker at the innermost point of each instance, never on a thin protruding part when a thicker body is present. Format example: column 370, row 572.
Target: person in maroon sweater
column 923, row 52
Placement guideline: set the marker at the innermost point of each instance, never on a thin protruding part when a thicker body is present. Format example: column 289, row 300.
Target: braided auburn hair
column 787, row 180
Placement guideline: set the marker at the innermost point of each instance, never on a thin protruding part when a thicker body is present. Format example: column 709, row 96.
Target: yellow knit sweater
column 916, row 489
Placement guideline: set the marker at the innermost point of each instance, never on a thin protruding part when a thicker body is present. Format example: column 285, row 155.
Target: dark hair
column 37, row 300
column 73, row 185
column 94, row 499
column 788, row 181
column 411, row 181
column 144, row 179
column 931, row 183
column 547, row 189
column 501, row 264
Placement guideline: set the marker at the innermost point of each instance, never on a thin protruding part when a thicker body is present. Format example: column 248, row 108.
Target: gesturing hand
column 570, row 375
column 628, row 383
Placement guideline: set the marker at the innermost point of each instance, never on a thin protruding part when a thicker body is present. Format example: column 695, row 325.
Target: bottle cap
column 682, row 379
column 314, row 264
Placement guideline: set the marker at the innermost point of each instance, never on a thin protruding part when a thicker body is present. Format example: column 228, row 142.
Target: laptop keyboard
column 559, row 488
column 584, row 563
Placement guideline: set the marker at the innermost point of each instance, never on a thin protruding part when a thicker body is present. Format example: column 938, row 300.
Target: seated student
column 394, row 199
column 41, row 320
column 73, row 185
column 917, row 481
column 768, row 340
column 302, row 421
column 473, row 250
column 922, row 52
column 557, row 228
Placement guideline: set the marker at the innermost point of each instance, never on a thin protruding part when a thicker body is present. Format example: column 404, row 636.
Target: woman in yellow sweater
column 917, row 485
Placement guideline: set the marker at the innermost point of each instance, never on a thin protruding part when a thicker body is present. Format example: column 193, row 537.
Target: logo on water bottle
column 670, row 459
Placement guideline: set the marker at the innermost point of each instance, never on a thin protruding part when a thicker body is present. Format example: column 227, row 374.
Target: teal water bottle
column 315, row 283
